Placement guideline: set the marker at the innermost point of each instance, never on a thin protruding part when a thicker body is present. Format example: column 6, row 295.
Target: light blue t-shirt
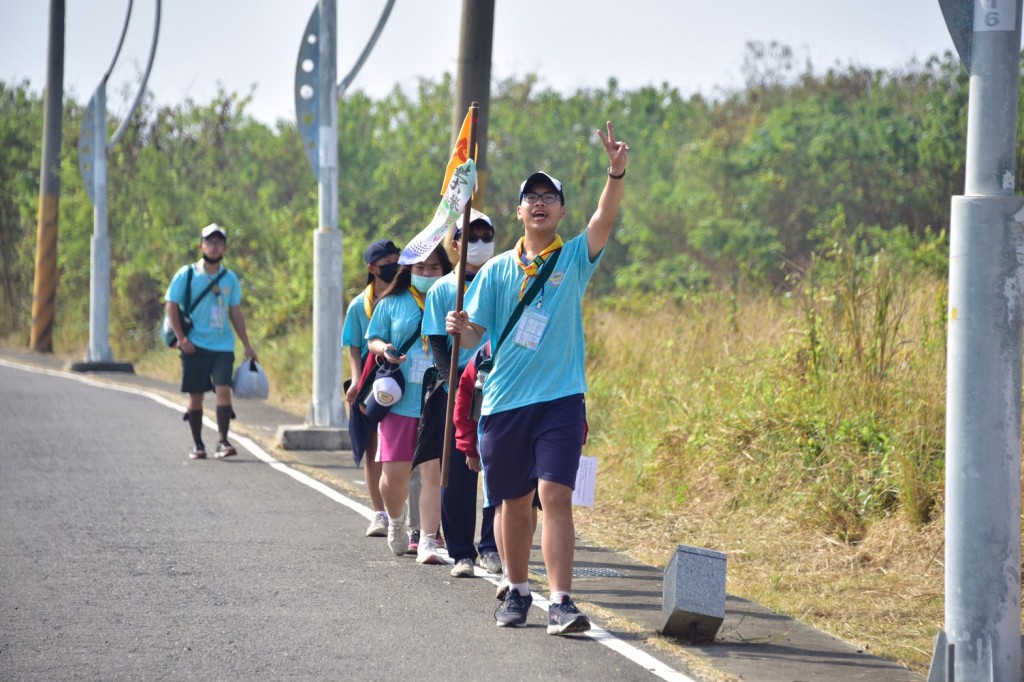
column 356, row 324
column 555, row 369
column 441, row 301
column 211, row 323
column 395, row 319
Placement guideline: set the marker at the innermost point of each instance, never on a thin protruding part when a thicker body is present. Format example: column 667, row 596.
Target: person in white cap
column 459, row 498
column 396, row 335
column 533, row 416
column 208, row 348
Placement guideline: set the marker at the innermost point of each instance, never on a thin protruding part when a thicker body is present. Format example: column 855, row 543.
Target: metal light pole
column 316, row 108
column 92, row 164
column 981, row 640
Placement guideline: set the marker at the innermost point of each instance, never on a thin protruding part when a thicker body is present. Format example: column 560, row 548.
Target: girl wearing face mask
column 381, row 268
column 397, row 318
column 458, row 499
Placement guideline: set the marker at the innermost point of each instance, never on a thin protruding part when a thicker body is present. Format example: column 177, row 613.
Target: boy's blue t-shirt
column 441, row 301
column 555, row 368
column 395, row 319
column 356, row 324
column 211, row 323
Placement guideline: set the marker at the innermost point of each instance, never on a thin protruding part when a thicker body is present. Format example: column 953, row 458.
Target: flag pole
column 460, row 285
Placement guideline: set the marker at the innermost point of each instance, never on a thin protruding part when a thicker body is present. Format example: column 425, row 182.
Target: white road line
column 598, row 634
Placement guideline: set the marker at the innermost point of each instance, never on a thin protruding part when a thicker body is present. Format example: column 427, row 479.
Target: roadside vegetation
column 766, row 334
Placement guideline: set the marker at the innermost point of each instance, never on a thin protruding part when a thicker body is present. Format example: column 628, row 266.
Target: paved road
column 121, row 559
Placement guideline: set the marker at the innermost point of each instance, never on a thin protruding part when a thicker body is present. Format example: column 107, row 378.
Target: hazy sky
column 696, row 46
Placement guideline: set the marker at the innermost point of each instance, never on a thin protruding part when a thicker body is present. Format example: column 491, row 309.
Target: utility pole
column 45, row 285
column 473, row 81
column 981, row 639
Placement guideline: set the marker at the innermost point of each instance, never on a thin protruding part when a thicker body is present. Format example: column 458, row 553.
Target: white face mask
column 479, row 252
column 423, row 283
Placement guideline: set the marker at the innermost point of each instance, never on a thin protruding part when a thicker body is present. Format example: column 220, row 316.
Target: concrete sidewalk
column 753, row 643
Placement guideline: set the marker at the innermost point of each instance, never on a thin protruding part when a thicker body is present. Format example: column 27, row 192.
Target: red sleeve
column 465, row 428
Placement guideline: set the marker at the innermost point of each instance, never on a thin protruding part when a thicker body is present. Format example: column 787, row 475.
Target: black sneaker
column 225, row 449
column 512, row 612
column 414, row 542
column 198, row 451
column 566, row 619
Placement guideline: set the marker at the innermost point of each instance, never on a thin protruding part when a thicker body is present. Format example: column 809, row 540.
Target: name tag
column 531, row 328
column 217, row 316
column 417, row 369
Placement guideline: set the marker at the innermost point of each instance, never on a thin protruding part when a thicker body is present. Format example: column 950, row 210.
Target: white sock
column 522, row 588
column 556, row 597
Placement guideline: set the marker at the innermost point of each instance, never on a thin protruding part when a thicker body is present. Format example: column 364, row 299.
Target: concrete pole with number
column 981, row 640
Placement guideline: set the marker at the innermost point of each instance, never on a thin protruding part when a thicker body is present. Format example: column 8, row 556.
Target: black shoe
column 198, row 451
column 225, row 449
column 512, row 612
column 566, row 619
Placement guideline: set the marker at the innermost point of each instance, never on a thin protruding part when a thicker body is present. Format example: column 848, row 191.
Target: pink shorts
column 397, row 437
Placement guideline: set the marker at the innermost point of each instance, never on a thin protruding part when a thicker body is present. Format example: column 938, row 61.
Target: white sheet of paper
column 586, row 481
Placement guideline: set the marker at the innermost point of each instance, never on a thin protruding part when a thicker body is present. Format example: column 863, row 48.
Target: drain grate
column 583, row 572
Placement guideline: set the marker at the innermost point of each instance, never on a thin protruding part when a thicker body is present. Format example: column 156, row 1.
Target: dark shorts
column 537, row 442
column 204, row 369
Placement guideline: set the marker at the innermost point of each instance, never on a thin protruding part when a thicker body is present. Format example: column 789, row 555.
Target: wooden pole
column 460, row 285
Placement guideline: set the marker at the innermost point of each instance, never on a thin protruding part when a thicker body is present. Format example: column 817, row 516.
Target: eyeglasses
column 486, row 239
column 532, row 198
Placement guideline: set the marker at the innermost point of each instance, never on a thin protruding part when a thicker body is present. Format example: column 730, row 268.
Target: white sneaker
column 463, row 568
column 426, row 553
column 378, row 528
column 490, row 562
column 398, row 535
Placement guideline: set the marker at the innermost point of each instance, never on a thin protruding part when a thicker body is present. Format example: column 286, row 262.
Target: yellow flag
column 460, row 153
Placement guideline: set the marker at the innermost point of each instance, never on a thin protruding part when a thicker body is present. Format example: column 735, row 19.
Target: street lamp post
column 92, row 164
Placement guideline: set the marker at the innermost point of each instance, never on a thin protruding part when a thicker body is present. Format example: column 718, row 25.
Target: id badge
column 419, row 366
column 217, row 316
column 531, row 328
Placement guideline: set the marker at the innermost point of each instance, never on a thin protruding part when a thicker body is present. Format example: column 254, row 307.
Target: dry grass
column 710, row 432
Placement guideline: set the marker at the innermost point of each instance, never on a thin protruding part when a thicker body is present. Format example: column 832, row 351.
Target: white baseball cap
column 214, row 228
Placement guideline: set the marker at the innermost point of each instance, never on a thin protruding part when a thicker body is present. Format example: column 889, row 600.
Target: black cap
column 538, row 178
column 379, row 249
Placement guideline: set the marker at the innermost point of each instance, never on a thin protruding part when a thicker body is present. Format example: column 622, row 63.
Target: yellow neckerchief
column 368, row 300
column 420, row 301
column 532, row 269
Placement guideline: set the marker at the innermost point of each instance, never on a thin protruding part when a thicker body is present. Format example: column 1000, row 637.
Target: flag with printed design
column 449, row 211
column 460, row 153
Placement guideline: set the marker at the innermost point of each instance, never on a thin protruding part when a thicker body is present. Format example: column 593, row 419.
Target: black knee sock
column 195, row 422
column 224, row 415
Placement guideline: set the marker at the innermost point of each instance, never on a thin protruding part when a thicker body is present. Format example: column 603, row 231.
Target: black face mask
column 212, row 261
column 388, row 271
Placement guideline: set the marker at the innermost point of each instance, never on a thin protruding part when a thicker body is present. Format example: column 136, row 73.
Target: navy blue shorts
column 527, row 444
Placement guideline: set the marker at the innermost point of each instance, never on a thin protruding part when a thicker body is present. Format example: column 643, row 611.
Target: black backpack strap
column 412, row 339
column 188, row 291
column 205, row 291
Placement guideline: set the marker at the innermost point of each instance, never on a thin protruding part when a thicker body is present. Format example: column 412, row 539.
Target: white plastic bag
column 251, row 381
